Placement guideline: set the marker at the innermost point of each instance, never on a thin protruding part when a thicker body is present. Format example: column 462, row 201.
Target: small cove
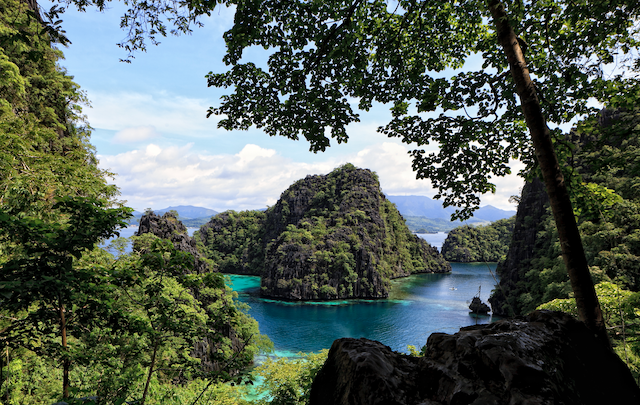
column 419, row 305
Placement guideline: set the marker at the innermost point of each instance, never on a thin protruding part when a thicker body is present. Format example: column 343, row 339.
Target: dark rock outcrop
column 478, row 307
column 543, row 358
column 336, row 236
column 533, row 207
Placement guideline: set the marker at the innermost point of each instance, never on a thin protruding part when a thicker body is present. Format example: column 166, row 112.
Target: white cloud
column 158, row 177
column 255, row 177
column 136, row 134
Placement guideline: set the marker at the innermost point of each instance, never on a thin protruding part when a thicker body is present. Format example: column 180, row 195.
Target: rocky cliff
column 530, row 220
column 543, row 358
column 601, row 169
column 333, row 236
column 169, row 227
column 336, row 236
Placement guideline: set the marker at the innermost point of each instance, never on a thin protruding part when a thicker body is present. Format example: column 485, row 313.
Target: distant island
column 422, row 214
column 328, row 237
column 488, row 243
column 190, row 216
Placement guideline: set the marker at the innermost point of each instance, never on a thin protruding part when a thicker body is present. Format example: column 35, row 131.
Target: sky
column 150, row 127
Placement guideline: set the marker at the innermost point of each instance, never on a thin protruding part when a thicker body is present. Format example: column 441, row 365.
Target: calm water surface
column 435, row 239
column 419, row 305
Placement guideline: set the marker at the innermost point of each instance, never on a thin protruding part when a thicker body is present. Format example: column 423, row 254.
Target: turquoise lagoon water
column 419, row 306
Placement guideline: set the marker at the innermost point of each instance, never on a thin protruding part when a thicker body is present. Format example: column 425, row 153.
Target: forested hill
column 480, row 243
column 328, row 237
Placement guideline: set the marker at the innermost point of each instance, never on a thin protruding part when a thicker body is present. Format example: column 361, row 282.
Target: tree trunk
column 66, row 363
column 151, row 366
column 572, row 251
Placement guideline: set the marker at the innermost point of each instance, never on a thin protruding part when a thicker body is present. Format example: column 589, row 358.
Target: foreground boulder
column 543, row 358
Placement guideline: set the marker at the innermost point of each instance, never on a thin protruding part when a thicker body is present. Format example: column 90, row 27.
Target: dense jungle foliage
column 234, row 241
column 75, row 319
column 328, row 237
column 488, row 243
column 603, row 167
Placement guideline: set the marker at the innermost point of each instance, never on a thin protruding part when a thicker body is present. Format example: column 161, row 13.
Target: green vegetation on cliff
column 76, row 321
column 233, row 241
column 328, row 237
column 604, row 173
column 603, row 167
column 487, row 243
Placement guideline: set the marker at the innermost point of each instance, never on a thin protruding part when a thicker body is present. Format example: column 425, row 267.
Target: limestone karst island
column 167, row 238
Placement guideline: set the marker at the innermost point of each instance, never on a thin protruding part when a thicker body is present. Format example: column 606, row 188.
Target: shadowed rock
column 478, row 307
column 543, row 358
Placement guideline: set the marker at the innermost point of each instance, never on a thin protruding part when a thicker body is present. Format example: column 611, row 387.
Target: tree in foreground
column 541, row 63
column 550, row 56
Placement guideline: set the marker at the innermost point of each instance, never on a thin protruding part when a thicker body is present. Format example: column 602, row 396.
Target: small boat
column 453, row 288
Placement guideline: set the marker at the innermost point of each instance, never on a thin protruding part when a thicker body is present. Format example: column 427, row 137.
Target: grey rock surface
column 543, row 358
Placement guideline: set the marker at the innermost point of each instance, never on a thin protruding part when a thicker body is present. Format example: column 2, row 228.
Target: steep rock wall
column 336, row 236
column 532, row 210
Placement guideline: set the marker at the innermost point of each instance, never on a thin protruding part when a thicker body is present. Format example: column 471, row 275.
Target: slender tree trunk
column 66, row 363
column 2, row 368
column 153, row 363
column 572, row 251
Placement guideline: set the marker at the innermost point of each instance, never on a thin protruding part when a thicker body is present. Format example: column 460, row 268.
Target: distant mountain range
column 191, row 216
column 420, row 206
column 189, row 211
column 422, row 214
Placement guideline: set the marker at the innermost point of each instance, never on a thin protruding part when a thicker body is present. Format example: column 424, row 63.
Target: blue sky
column 150, row 126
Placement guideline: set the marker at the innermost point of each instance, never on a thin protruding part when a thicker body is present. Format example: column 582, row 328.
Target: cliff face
column 170, row 228
column 328, row 237
column 601, row 169
column 336, row 236
column 532, row 211
column 543, row 358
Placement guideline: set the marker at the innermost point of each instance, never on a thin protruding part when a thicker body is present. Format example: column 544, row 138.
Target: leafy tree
column 621, row 309
column 39, row 284
column 44, row 141
column 288, row 381
column 325, row 54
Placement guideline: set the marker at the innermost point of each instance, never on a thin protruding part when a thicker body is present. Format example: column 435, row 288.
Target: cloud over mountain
column 156, row 176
